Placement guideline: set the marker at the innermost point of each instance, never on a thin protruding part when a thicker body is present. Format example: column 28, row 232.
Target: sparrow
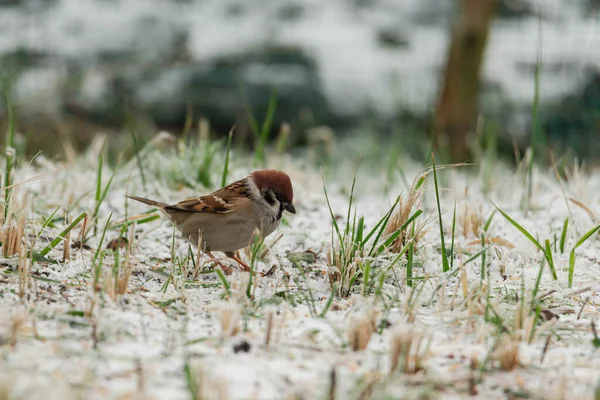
column 227, row 219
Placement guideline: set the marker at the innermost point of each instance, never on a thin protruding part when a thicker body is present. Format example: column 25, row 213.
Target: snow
column 65, row 340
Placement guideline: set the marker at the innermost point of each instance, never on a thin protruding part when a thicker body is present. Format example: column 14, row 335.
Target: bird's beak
column 290, row 207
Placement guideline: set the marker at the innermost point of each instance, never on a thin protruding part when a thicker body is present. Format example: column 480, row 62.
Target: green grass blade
column 350, row 200
column 98, row 193
column 360, row 230
column 488, row 222
column 453, row 232
column 420, row 182
column 550, row 259
column 106, row 188
column 62, row 235
column 406, row 248
column 380, row 226
column 101, row 239
column 47, row 221
column 390, row 239
column 409, row 259
column 255, row 248
column 580, row 242
column 9, row 154
column 190, row 380
column 535, row 126
column 538, row 280
column 8, row 182
column 205, row 172
column 476, row 255
column 99, row 180
column 333, row 220
column 137, row 147
column 352, row 280
column 445, row 265
column 571, row 266
column 102, row 196
column 411, row 219
column 366, row 271
column 586, row 236
column 521, row 229
column 329, row 302
column 227, row 151
column 483, row 254
column 10, row 133
column 353, row 233
column 374, row 230
column 126, row 224
column 224, row 281
column 547, row 251
column 268, row 121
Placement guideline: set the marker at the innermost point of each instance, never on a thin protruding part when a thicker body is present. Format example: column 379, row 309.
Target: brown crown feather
column 278, row 181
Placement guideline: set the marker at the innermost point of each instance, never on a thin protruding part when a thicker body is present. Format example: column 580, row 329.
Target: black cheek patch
column 269, row 197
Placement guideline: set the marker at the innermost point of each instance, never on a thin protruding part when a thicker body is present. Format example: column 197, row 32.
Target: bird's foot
column 224, row 268
column 245, row 267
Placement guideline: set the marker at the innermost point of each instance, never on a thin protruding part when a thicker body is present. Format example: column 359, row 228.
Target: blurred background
column 450, row 73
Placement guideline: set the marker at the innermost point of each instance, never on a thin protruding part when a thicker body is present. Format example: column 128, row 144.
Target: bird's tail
column 148, row 201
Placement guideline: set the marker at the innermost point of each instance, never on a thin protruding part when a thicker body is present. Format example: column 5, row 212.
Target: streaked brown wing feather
column 222, row 201
column 208, row 204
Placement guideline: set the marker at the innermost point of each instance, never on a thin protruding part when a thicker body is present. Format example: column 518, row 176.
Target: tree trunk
column 456, row 110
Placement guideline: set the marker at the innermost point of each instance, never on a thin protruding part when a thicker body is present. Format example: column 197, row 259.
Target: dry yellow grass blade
column 406, row 208
column 406, row 351
column 24, row 269
column 494, row 240
column 11, row 236
column 584, row 208
column 360, row 329
column 507, row 353
column 229, row 319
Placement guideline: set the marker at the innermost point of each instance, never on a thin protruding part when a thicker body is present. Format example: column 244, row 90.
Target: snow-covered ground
column 68, row 338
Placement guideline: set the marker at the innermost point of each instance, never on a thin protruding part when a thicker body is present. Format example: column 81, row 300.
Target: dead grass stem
column 406, row 350
column 360, row 329
column 206, row 387
column 406, row 208
column 229, row 318
column 506, row 353
column 67, row 241
column 340, row 273
column 471, row 220
column 11, row 236
column 24, row 270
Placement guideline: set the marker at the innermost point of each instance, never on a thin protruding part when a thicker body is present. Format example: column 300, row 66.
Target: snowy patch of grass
column 396, row 323
column 350, row 257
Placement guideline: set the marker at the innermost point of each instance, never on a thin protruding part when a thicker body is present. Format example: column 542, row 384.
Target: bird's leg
column 225, row 269
column 235, row 258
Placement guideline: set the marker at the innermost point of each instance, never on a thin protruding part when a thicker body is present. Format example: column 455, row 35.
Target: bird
column 228, row 219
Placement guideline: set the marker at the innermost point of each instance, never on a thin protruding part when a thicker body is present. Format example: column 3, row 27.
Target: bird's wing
column 223, row 201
